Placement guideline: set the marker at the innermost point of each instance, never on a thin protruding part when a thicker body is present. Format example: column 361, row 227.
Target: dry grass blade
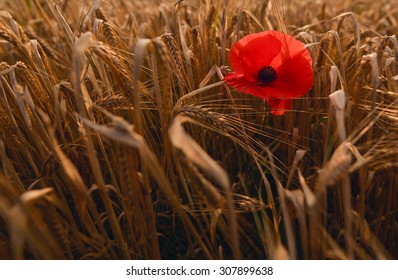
column 124, row 133
column 141, row 49
column 54, row 8
column 82, row 98
column 194, row 153
column 337, row 165
column 21, row 215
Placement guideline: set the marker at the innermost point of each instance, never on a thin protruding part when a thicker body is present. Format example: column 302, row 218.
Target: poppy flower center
column 266, row 75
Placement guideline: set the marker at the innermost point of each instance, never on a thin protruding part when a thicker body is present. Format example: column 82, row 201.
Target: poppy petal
column 279, row 106
column 295, row 78
column 239, row 82
column 290, row 48
column 251, row 53
column 276, row 51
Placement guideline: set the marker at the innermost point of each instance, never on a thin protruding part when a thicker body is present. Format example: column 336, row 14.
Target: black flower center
column 266, row 75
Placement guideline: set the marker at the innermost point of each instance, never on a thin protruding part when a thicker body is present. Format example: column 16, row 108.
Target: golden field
column 120, row 140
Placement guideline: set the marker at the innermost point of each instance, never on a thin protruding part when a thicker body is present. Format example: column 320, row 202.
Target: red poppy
column 273, row 66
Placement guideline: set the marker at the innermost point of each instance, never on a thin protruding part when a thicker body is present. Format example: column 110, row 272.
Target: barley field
column 120, row 138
